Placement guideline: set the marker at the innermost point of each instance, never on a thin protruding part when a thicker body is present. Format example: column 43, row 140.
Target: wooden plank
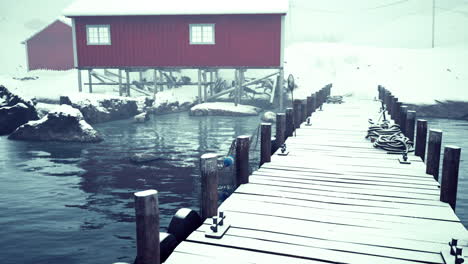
column 299, row 251
column 338, row 246
column 403, row 227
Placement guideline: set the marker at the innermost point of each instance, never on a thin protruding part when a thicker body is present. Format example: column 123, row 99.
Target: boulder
column 269, row 117
column 223, row 109
column 14, row 111
column 100, row 108
column 65, row 123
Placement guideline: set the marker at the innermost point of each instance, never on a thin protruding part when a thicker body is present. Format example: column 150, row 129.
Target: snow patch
column 221, row 108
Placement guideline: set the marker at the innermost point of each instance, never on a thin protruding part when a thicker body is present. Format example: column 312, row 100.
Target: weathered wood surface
column 334, row 198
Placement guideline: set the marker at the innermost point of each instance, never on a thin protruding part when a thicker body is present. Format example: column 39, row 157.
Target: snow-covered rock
column 141, row 118
column 224, row 109
column 269, row 117
column 65, row 123
column 14, row 111
column 102, row 108
column 43, row 109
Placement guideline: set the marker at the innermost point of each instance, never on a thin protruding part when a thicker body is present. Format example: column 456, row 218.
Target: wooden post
column 90, row 81
column 205, row 87
column 155, row 83
column 314, row 103
column 289, row 122
column 147, row 227
column 127, row 73
column 410, row 124
column 280, row 130
column 80, row 84
column 209, row 185
column 379, row 89
column 281, row 90
column 297, row 113
column 242, row 159
column 211, row 83
column 395, row 111
column 199, row 87
column 398, row 113
column 236, row 90
column 265, row 146
column 161, row 80
column 241, row 84
column 433, row 153
column 309, row 105
column 421, row 138
column 450, row 167
column 120, row 82
column 403, row 114
column 303, row 110
column 390, row 105
column 140, row 75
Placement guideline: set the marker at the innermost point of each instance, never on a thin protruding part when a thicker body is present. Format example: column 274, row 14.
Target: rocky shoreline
column 442, row 109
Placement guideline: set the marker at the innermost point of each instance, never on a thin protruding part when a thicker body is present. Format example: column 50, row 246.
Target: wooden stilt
column 205, row 88
column 155, row 83
column 161, row 79
column 236, row 93
column 211, row 84
column 90, row 81
column 120, row 82
column 127, row 73
column 80, row 84
column 140, row 75
column 199, row 87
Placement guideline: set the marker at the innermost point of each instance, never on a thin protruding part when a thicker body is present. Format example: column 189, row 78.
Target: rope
column 389, row 138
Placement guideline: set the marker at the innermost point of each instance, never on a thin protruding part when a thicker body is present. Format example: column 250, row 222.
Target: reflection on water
column 73, row 203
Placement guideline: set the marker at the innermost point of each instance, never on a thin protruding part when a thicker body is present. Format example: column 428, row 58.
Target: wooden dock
column 333, row 199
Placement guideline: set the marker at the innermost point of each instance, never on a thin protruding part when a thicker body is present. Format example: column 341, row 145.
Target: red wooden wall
column 152, row 41
column 51, row 48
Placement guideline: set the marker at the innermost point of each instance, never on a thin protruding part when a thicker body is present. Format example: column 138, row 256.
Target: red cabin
column 51, row 48
column 177, row 33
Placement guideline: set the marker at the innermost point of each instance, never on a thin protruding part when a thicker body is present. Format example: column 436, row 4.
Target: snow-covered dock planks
column 333, row 199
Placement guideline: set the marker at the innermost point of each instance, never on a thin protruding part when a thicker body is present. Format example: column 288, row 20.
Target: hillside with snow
column 355, row 45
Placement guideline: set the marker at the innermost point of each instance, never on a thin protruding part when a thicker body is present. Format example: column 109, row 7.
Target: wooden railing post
column 303, row 111
column 209, row 185
column 397, row 117
column 403, row 114
column 450, row 167
column 410, row 124
column 390, row 105
column 314, row 103
column 297, row 113
column 280, row 130
column 242, row 159
column 433, row 153
column 289, row 122
column 421, row 138
column 309, row 105
column 265, row 145
column 147, row 227
column 379, row 89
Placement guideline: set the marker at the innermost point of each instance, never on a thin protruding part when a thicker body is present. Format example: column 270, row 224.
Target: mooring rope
column 389, row 138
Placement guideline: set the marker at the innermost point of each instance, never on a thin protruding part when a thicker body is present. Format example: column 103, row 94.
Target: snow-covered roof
column 174, row 7
column 67, row 21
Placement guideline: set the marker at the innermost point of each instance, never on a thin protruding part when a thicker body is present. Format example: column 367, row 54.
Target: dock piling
column 289, row 122
column 297, row 113
column 450, row 167
column 433, row 153
column 265, row 145
column 403, row 116
column 410, row 124
column 304, row 110
column 280, row 130
column 209, row 185
column 421, row 138
column 242, row 159
column 147, row 227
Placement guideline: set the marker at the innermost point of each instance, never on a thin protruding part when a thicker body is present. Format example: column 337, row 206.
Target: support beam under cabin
column 155, row 83
column 199, row 87
column 127, row 73
column 120, row 82
column 80, row 84
column 90, row 83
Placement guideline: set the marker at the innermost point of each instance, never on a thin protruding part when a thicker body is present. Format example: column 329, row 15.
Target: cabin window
column 98, row 34
column 202, row 34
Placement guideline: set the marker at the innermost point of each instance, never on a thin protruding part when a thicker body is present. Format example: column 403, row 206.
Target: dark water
column 73, row 203
column 455, row 132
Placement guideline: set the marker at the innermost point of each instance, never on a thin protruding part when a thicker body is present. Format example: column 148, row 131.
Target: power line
column 387, row 5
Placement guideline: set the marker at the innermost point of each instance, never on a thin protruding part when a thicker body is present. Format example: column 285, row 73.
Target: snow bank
column 418, row 76
column 174, row 7
column 224, row 109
